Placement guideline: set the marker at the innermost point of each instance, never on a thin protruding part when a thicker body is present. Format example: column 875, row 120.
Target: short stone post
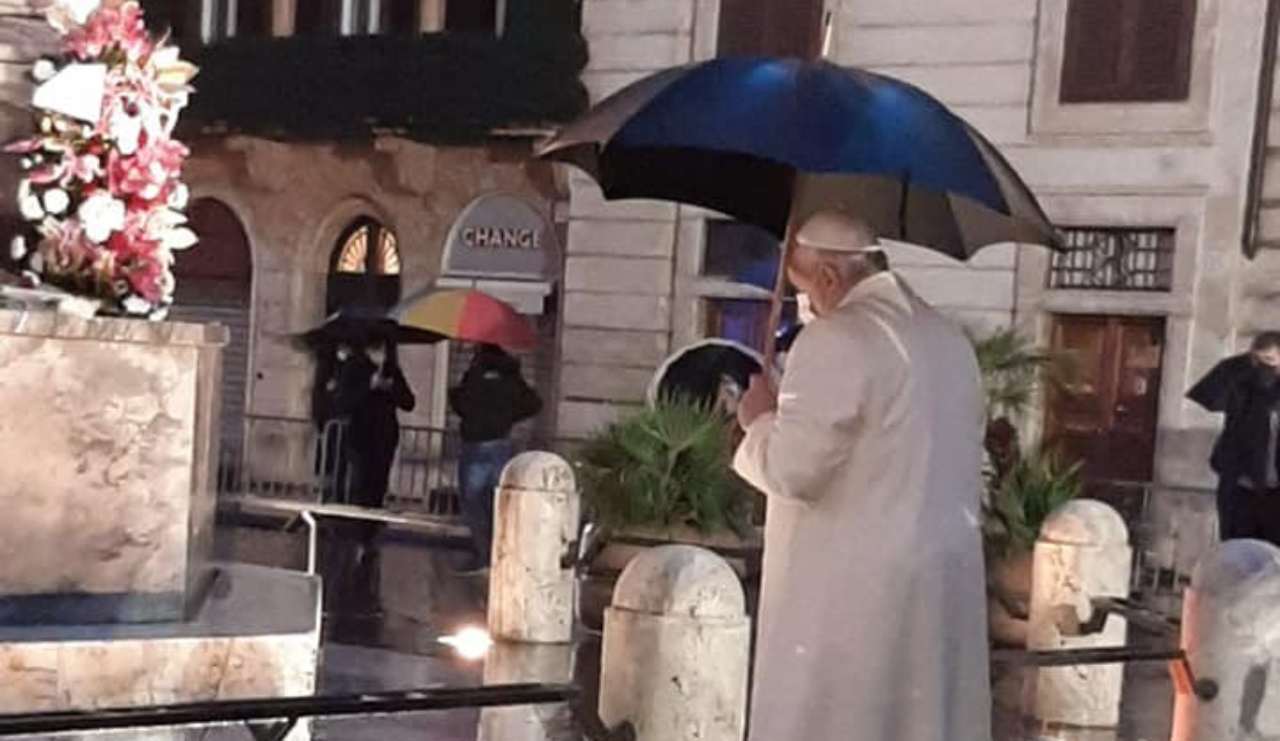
column 531, row 582
column 1231, row 635
column 676, row 648
column 528, row 663
column 1082, row 554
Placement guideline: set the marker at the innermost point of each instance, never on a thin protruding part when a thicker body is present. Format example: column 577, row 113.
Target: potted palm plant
column 663, row 475
column 1022, row 488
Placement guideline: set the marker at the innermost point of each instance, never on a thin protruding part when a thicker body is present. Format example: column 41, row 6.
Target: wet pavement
column 394, row 645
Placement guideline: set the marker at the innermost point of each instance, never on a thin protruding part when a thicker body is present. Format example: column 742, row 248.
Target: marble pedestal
column 256, row 635
column 109, row 443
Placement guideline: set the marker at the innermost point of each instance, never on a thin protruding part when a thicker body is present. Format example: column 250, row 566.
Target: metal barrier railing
column 274, row 718
column 288, row 458
column 1167, row 539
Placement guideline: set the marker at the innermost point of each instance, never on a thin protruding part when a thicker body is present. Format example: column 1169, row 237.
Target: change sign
column 502, row 236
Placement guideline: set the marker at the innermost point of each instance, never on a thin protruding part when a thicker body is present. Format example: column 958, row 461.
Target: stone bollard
column 676, row 648
column 528, row 663
column 1082, row 554
column 531, row 583
column 1231, row 635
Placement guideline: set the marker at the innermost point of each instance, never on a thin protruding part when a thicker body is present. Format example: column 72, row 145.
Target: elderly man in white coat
column 873, row 604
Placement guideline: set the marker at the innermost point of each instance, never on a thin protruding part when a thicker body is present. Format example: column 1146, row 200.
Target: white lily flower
column 136, row 305
column 127, row 131
column 179, row 239
column 43, row 70
column 17, row 248
column 56, row 201
column 29, row 203
column 101, row 214
column 179, row 197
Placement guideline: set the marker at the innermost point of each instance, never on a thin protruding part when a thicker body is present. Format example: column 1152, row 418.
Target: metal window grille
column 1114, row 259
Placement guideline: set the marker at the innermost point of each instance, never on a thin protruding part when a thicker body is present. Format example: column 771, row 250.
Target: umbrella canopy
column 467, row 315
column 1212, row 391
column 768, row 141
column 360, row 327
column 711, row 371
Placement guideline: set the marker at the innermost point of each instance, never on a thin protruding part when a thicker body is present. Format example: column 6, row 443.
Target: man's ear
column 828, row 274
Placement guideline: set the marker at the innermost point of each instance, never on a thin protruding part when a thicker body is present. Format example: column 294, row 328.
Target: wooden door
column 1106, row 415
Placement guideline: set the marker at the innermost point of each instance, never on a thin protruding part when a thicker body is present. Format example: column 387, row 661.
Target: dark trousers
column 372, row 453
column 479, row 473
column 1246, row 513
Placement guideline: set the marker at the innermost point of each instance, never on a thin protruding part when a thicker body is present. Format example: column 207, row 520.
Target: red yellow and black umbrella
column 466, row 315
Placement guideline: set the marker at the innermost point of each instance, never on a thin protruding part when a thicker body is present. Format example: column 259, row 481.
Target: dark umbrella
column 701, row 371
column 770, row 141
column 361, row 327
column 1212, row 391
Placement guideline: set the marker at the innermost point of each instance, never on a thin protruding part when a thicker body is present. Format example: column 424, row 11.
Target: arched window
column 365, row 268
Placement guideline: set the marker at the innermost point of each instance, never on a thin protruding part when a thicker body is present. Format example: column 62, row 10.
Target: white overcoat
column 873, row 604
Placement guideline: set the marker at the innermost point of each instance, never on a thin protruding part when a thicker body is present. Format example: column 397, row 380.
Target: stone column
column 531, row 586
column 1083, row 553
column 676, row 648
column 1231, row 634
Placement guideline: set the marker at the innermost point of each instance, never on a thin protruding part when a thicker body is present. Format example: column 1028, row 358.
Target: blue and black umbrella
column 770, row 141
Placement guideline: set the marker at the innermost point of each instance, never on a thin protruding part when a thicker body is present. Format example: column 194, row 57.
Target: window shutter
column 400, row 17
column 1127, row 50
column 318, row 16
column 770, row 28
column 253, row 18
column 1092, row 50
column 1162, row 35
column 472, row 16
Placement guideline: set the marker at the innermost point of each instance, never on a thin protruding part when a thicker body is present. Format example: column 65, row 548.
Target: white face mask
column 804, row 308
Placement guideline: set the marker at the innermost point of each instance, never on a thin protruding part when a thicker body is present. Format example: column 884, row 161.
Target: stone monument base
column 257, row 634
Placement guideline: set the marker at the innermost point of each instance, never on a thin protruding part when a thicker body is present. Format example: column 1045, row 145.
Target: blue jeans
column 479, row 470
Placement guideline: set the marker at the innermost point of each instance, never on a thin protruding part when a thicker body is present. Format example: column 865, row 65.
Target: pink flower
column 147, row 173
column 112, row 27
column 25, row 146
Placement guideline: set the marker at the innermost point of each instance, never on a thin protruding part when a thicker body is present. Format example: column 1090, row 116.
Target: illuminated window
column 387, row 261
column 365, row 267
column 355, row 255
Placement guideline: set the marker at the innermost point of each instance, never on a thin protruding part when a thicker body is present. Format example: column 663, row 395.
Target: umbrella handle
column 770, row 349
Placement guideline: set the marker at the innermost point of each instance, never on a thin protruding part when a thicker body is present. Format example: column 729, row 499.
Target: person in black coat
column 1246, row 456
column 372, row 390
column 490, row 400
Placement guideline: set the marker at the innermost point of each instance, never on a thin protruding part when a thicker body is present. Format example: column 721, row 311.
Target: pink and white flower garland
column 102, row 185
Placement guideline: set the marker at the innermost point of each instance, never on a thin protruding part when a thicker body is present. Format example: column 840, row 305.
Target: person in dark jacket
column 491, row 399
column 373, row 388
column 1246, row 456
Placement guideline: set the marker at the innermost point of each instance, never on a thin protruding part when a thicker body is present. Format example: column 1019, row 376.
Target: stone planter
column 1009, row 587
column 596, row 587
column 109, row 439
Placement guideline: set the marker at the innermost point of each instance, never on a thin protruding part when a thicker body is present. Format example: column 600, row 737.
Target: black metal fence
column 289, row 458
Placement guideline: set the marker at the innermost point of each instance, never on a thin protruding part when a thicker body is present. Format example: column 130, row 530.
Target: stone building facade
column 297, row 223
column 1166, row 183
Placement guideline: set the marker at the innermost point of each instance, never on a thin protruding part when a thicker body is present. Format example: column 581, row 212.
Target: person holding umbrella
column 872, row 619
column 491, row 399
column 1246, row 389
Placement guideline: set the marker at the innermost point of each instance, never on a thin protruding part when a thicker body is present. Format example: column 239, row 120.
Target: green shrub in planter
column 665, row 466
column 1034, row 486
